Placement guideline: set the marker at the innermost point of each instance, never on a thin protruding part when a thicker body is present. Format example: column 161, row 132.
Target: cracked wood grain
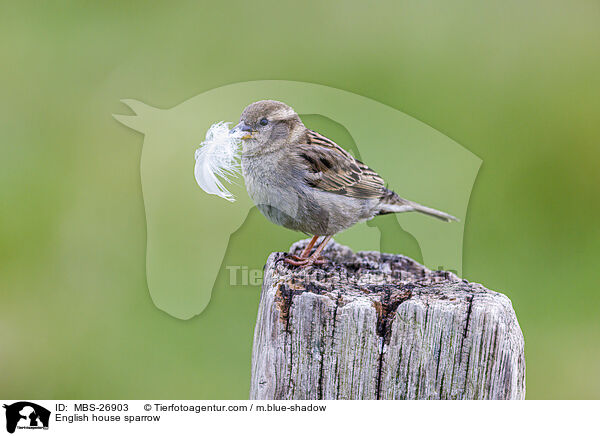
column 378, row 326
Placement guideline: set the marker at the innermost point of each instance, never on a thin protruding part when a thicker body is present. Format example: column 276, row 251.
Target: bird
column 304, row 181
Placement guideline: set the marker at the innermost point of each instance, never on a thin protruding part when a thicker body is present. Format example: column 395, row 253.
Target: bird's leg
column 309, row 247
column 315, row 259
column 305, row 252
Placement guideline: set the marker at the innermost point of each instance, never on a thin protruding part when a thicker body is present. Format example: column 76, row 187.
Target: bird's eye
column 263, row 122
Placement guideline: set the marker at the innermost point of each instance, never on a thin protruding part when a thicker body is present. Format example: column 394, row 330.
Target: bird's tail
column 392, row 203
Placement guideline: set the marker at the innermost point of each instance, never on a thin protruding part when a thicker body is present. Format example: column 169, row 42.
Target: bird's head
column 266, row 125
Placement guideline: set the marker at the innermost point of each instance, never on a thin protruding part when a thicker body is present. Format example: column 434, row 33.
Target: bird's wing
column 332, row 169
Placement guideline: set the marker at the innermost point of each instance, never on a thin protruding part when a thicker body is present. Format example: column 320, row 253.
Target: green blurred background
column 515, row 82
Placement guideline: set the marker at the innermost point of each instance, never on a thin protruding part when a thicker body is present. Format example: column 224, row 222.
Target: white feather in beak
column 218, row 158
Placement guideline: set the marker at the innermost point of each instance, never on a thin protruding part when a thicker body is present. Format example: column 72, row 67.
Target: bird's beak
column 242, row 129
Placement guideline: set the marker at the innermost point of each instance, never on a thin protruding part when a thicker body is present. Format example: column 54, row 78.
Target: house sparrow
column 304, row 181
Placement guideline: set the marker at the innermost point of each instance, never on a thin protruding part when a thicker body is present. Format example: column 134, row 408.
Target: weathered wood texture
column 379, row 326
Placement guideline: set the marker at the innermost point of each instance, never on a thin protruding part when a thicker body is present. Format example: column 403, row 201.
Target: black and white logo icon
column 26, row 415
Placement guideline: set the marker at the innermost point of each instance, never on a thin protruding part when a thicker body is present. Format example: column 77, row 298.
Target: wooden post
column 381, row 326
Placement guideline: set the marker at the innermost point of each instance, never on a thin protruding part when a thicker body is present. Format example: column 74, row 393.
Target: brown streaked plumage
column 337, row 171
column 304, row 181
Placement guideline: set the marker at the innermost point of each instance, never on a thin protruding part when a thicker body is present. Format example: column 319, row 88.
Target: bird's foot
column 303, row 262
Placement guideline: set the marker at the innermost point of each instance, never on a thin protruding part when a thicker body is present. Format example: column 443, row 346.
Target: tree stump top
column 381, row 326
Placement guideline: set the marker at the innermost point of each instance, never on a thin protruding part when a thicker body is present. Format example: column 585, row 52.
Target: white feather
column 218, row 158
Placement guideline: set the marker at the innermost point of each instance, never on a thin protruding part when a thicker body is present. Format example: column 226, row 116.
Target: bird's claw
column 303, row 262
